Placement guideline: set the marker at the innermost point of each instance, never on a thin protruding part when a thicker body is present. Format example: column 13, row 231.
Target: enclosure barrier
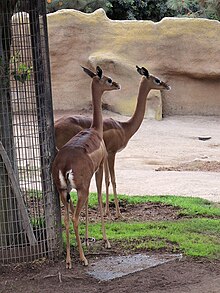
column 30, row 226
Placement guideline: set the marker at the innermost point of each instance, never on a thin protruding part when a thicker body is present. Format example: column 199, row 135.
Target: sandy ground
column 169, row 142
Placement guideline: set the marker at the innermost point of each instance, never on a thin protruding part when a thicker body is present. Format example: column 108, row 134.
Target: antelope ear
column 89, row 72
column 145, row 72
column 142, row 71
column 99, row 72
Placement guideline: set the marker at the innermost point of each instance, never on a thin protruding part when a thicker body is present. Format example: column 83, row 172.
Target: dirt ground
column 174, row 277
column 163, row 157
column 178, row 276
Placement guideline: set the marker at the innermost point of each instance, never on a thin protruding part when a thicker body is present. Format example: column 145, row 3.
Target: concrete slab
column 115, row 267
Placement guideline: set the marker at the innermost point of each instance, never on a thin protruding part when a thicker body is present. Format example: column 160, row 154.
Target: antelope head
column 155, row 82
column 107, row 84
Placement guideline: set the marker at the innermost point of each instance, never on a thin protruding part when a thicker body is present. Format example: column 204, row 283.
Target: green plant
column 139, row 10
column 82, row 5
column 211, row 9
column 193, row 237
column 22, row 71
column 38, row 223
column 189, row 206
column 34, row 194
column 197, row 235
column 196, row 8
column 179, row 6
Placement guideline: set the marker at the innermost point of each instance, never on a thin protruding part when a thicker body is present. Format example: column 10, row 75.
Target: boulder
column 182, row 51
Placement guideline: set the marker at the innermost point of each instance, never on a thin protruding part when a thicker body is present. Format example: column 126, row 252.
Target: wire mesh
column 29, row 207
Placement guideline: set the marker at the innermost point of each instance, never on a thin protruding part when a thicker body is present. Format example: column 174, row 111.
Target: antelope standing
column 116, row 134
column 77, row 161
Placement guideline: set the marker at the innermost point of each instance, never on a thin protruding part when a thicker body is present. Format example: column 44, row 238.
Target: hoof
column 68, row 265
column 107, row 244
column 117, row 210
column 85, row 262
column 88, row 240
column 118, row 216
column 107, row 213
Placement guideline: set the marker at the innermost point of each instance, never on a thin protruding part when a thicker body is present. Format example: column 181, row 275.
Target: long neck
column 97, row 122
column 133, row 124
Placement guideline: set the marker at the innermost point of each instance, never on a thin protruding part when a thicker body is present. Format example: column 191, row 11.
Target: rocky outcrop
column 184, row 52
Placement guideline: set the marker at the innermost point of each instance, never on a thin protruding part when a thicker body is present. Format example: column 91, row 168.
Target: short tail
column 70, row 178
column 66, row 179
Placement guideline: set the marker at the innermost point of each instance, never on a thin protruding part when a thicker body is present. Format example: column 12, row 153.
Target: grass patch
column 189, row 206
column 196, row 235
column 34, row 194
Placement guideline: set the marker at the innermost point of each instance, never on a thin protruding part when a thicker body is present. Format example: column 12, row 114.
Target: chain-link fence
column 29, row 207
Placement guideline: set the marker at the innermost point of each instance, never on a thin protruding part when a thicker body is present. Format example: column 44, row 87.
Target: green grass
column 189, row 206
column 34, row 194
column 197, row 234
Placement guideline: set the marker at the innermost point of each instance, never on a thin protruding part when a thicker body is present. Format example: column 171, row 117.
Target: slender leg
column 82, row 198
column 72, row 207
column 63, row 197
column 107, row 183
column 99, row 177
column 87, row 231
column 111, row 164
column 87, row 223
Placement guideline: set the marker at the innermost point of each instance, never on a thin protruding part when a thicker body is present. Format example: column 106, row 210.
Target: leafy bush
column 195, row 8
column 142, row 9
column 136, row 9
column 81, row 5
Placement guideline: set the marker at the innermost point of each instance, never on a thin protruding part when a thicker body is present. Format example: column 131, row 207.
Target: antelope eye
column 157, row 80
column 109, row 80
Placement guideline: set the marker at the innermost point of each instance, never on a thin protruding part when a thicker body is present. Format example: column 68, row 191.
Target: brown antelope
column 77, row 161
column 116, row 134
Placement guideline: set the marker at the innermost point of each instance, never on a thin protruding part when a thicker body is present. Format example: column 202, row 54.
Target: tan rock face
column 184, row 52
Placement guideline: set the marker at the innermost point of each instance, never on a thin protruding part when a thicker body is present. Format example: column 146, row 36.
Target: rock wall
column 184, row 52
